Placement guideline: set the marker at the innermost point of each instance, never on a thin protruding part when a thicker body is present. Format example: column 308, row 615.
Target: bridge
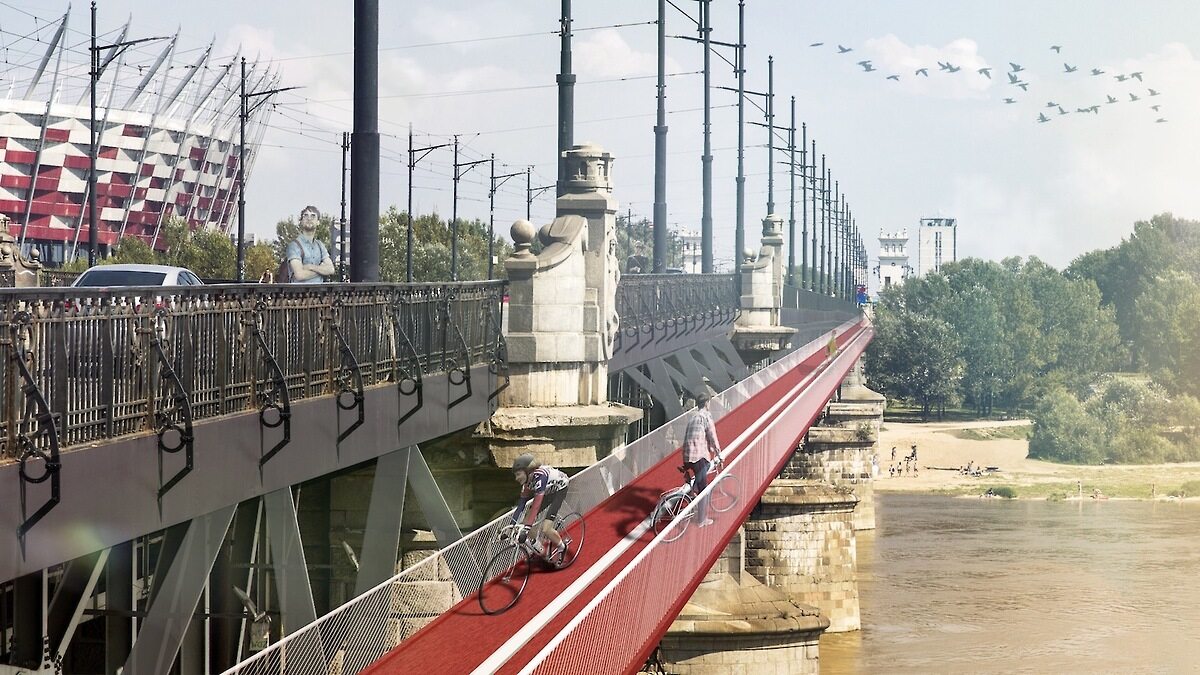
column 276, row 479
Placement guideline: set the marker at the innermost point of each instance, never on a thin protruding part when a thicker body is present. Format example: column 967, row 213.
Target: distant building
column 937, row 244
column 693, row 261
column 893, row 258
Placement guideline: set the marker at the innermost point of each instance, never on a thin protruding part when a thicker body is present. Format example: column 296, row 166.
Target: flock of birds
column 1015, row 76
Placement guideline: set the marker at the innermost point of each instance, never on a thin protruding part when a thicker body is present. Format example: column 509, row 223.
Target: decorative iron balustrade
column 131, row 360
column 658, row 300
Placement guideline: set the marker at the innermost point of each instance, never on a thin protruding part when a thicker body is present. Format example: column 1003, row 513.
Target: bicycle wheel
column 725, row 493
column 504, row 579
column 572, row 529
column 671, row 509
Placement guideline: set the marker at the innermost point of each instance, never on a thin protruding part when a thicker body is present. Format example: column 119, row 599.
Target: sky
column 945, row 145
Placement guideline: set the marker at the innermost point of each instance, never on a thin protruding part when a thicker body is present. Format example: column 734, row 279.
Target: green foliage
column 1169, row 338
column 132, row 251
column 635, row 239
column 260, row 259
column 1004, row 491
column 1064, row 431
column 915, row 356
column 1190, row 488
column 1124, row 420
column 1022, row 327
column 432, row 238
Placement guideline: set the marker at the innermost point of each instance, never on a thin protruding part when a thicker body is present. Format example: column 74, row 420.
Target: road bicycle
column 671, row 504
column 507, row 573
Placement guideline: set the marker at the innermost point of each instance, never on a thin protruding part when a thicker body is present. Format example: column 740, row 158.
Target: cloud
column 891, row 56
column 605, row 53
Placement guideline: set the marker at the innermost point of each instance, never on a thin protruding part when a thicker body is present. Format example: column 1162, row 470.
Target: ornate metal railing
column 122, row 361
column 666, row 299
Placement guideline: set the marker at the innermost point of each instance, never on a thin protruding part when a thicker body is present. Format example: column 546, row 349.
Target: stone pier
column 843, row 448
column 733, row 624
column 800, row 540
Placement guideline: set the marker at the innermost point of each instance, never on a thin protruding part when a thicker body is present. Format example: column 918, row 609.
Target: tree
column 914, row 356
column 1064, row 431
column 1169, row 343
column 260, row 259
column 133, row 250
column 635, row 241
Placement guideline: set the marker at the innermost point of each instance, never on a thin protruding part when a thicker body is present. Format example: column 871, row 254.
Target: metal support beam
column 296, row 607
column 177, row 594
column 29, row 620
column 381, row 540
column 118, row 597
column 71, row 597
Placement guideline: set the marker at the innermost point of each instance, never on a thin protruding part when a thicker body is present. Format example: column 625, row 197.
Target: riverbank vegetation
column 1020, row 337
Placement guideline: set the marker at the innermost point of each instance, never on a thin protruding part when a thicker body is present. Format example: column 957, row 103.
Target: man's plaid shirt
column 700, row 437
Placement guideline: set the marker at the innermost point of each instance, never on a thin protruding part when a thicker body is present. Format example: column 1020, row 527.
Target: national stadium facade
column 168, row 122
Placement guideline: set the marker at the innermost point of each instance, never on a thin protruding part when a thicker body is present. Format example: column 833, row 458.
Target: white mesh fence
column 360, row 632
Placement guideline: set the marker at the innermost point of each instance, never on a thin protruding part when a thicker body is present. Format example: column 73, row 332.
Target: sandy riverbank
column 938, row 446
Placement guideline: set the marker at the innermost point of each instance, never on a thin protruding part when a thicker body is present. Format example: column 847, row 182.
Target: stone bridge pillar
column 561, row 326
column 758, row 331
column 843, row 449
column 735, row 624
column 800, row 540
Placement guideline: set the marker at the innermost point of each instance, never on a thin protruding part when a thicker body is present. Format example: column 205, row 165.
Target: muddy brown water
column 951, row 585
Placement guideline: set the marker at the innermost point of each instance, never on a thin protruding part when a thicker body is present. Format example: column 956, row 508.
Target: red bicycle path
column 462, row 638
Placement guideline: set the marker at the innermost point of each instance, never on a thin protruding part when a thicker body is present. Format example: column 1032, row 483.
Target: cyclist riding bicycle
column 700, row 447
column 546, row 487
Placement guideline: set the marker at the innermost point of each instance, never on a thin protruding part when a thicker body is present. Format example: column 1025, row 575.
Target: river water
column 995, row 586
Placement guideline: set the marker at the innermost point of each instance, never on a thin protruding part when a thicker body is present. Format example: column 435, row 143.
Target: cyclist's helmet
column 522, row 462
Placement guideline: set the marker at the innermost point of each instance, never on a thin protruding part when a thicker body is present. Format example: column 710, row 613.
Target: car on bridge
column 115, row 276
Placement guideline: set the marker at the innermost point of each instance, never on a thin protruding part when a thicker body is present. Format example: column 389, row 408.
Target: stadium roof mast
column 37, row 159
column 96, row 70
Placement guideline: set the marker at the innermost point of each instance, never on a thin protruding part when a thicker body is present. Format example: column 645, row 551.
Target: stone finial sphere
column 523, row 232
column 749, row 254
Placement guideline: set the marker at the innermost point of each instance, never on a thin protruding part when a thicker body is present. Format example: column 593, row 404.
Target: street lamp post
column 246, row 111
column 94, row 76
column 412, row 164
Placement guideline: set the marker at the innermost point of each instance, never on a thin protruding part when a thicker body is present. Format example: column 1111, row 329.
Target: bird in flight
column 843, row 50
column 986, row 72
column 1122, row 77
column 1111, row 99
column 894, row 77
column 921, row 71
column 1010, row 100
column 1160, row 120
column 1097, row 71
column 1051, row 104
column 866, row 66
column 1093, row 109
column 1153, row 93
column 1042, row 118
column 1137, row 76
column 1061, row 111
column 1016, row 68
column 1155, row 107
column 1023, row 85
column 954, row 69
column 1068, row 68
column 816, row 44
column 1013, row 79
column 1057, row 48
column 1133, row 98
column 944, row 66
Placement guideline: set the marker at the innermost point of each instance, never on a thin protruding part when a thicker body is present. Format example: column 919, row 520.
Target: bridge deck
column 464, row 639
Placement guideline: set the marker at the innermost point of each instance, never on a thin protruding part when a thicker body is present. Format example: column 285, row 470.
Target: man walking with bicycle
column 547, row 488
column 700, row 447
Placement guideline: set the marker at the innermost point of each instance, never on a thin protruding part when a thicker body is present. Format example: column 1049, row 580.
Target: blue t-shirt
column 308, row 253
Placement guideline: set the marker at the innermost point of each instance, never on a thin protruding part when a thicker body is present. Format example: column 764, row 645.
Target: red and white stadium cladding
column 143, row 175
